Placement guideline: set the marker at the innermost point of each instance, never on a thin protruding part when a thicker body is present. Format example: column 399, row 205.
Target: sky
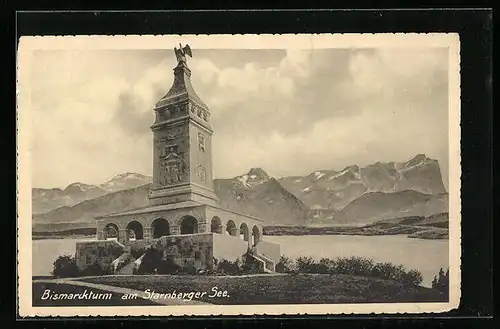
column 290, row 112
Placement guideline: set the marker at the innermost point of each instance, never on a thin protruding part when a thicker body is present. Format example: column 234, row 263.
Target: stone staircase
column 127, row 269
column 124, row 264
column 269, row 266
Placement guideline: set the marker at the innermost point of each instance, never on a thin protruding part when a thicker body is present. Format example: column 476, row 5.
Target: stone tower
column 182, row 154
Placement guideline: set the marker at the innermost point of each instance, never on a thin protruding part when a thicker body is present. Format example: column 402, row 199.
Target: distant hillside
column 45, row 200
column 353, row 196
column 329, row 189
column 376, row 206
column 258, row 195
column 254, row 195
column 86, row 211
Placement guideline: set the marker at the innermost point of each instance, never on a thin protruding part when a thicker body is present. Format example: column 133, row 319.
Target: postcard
column 210, row 175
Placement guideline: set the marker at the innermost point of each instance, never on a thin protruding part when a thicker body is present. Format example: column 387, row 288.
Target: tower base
column 180, row 193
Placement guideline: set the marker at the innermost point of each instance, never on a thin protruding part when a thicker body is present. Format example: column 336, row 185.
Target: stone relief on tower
column 201, row 173
column 174, row 169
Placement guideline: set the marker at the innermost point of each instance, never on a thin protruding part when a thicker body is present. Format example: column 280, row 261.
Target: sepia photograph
column 238, row 174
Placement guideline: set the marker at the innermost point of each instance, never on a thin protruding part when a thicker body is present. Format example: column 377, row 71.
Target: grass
column 62, row 288
column 280, row 289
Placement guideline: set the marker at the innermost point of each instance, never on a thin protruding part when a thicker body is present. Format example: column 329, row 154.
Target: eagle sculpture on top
column 182, row 52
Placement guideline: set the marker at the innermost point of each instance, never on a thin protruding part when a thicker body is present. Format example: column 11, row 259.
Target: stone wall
column 138, row 247
column 187, row 250
column 100, row 252
column 196, row 250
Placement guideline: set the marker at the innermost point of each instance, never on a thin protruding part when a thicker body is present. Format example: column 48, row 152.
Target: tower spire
column 182, row 166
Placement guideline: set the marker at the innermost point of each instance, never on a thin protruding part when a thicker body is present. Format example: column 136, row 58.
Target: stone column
column 175, row 230
column 122, row 235
column 202, row 227
column 147, row 233
column 100, row 234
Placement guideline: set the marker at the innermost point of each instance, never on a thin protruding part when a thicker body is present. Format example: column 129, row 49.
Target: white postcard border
column 263, row 41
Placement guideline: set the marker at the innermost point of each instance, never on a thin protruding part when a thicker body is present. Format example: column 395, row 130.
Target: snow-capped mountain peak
column 258, row 173
column 253, row 177
column 79, row 187
column 125, row 181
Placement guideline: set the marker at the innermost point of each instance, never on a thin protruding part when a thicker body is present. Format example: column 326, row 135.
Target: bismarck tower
column 182, row 154
column 183, row 220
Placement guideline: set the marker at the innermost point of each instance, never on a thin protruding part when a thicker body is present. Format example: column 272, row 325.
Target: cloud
column 308, row 110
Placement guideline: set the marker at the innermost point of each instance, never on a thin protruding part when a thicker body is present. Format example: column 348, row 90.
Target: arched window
column 231, row 228
column 244, row 232
column 189, row 225
column 255, row 235
column 216, row 225
column 135, row 231
column 111, row 231
column 160, row 228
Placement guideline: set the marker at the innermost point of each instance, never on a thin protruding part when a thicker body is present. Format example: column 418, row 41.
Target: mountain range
column 45, row 200
column 353, row 195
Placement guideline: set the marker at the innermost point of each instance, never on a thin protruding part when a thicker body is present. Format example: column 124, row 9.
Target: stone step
column 127, row 269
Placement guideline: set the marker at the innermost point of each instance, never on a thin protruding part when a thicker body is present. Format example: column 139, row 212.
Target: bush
column 150, row 262
column 385, row 271
column 412, row 278
column 211, row 269
column 168, row 266
column 65, row 266
column 285, row 265
column 441, row 281
column 189, row 270
column 326, row 265
column 249, row 265
column 306, row 265
column 353, row 266
column 229, row 268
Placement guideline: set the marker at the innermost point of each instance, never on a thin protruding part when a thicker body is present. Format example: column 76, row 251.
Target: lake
column 427, row 256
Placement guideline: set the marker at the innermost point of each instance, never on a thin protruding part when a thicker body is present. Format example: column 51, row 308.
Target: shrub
column 441, row 281
column 353, row 266
column 285, row 265
column 326, row 265
column 211, row 268
column 189, row 269
column 65, row 266
column 412, row 278
column 249, row 265
column 168, row 266
column 149, row 264
column 388, row 271
column 229, row 268
column 305, row 265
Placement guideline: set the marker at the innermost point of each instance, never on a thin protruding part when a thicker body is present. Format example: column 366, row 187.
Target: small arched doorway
column 159, row 228
column 135, row 231
column 111, row 231
column 244, row 234
column 189, row 225
column 216, row 225
column 231, row 228
column 255, row 235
